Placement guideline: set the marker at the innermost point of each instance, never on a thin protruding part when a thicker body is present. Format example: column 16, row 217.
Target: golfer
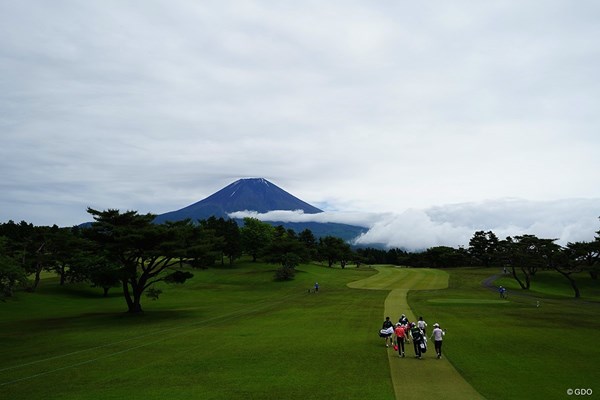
column 387, row 330
column 422, row 325
column 437, row 336
column 502, row 292
column 400, row 335
column 417, row 337
column 403, row 320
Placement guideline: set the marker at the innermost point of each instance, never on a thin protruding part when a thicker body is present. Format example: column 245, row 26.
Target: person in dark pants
column 400, row 335
column 387, row 326
column 502, row 292
column 417, row 337
column 437, row 336
column 403, row 320
column 422, row 325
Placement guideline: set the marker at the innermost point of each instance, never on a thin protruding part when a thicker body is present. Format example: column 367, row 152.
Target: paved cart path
column 412, row 378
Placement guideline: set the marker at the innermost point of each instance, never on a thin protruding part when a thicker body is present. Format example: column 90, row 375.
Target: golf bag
column 386, row 332
column 423, row 345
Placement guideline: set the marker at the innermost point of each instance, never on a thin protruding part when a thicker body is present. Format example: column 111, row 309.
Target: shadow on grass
column 125, row 320
column 80, row 291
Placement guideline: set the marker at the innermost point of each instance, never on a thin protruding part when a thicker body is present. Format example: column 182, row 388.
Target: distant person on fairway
column 422, row 325
column 437, row 336
column 502, row 292
column 316, row 287
column 417, row 337
column 400, row 335
column 387, row 330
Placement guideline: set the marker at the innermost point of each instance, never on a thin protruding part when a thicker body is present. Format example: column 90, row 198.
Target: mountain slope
column 258, row 194
column 253, row 194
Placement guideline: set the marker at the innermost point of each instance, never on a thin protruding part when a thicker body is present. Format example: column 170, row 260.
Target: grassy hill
column 228, row 333
column 235, row 333
column 515, row 348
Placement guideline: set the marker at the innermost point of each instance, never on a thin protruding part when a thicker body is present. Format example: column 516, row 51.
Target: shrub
column 285, row 274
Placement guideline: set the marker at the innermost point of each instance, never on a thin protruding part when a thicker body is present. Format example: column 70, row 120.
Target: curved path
column 429, row 377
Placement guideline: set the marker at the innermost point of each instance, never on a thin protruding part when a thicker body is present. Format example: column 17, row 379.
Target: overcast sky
column 427, row 120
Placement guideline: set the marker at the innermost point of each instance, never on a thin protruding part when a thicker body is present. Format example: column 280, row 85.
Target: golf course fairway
column 428, row 377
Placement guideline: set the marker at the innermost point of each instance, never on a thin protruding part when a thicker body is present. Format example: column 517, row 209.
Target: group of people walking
column 404, row 331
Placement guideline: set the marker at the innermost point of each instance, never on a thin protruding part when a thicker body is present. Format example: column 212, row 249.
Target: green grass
column 231, row 333
column 427, row 377
column 235, row 333
column 552, row 284
column 513, row 349
column 467, row 301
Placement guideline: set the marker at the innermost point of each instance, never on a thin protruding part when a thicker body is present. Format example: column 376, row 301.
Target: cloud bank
column 568, row 220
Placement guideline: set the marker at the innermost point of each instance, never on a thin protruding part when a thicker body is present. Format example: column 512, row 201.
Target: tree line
column 128, row 250
column 520, row 256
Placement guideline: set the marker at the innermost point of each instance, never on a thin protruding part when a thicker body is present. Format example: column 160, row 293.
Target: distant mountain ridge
column 260, row 195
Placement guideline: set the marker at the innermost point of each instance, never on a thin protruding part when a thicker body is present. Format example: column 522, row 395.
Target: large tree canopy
column 525, row 255
column 144, row 251
column 333, row 250
column 229, row 243
column 11, row 273
column 256, row 236
column 483, row 247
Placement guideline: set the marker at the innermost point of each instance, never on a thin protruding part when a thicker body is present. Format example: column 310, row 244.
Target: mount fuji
column 260, row 195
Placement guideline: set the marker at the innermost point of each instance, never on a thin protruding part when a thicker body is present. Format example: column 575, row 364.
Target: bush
column 285, row 274
column 11, row 277
column 153, row 293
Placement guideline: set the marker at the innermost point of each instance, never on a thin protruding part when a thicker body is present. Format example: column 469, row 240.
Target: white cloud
column 453, row 225
column 377, row 107
column 350, row 218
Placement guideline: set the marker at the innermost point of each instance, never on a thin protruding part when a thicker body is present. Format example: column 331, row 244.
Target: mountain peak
column 251, row 194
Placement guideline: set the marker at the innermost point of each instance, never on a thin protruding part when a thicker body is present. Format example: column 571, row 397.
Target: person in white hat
column 422, row 325
column 437, row 336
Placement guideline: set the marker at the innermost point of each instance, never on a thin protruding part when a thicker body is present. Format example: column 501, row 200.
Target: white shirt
column 437, row 334
column 421, row 324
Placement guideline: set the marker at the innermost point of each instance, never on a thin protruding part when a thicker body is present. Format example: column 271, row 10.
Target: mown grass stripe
column 428, row 377
column 171, row 334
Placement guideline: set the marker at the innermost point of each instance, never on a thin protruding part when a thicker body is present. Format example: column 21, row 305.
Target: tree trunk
column 571, row 281
column 527, row 280
column 62, row 274
column 134, row 302
column 514, row 274
column 133, row 296
column 127, row 295
column 106, row 291
column 136, row 307
column 38, row 269
column 575, row 288
column 137, row 288
column 36, row 281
